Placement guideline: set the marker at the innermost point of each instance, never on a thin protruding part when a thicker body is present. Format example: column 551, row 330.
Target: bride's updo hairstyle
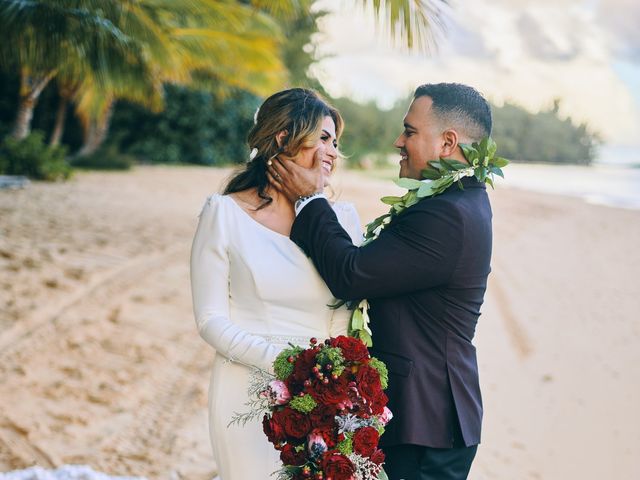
column 299, row 113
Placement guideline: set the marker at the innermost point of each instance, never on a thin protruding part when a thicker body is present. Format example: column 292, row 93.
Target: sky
column 585, row 52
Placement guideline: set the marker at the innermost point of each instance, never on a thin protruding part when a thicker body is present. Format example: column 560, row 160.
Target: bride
column 253, row 289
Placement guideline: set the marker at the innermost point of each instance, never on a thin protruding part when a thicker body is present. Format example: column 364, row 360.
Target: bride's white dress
column 254, row 291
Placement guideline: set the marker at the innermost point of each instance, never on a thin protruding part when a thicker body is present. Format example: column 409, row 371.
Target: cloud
column 621, row 19
column 538, row 44
column 525, row 51
column 465, row 41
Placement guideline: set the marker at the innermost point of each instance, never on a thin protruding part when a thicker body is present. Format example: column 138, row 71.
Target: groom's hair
column 460, row 107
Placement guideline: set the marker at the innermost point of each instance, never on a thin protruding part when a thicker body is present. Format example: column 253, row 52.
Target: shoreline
column 615, row 186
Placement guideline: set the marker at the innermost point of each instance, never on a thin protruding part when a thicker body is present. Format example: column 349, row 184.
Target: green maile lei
column 438, row 177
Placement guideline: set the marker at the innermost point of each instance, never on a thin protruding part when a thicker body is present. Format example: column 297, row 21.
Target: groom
column 425, row 279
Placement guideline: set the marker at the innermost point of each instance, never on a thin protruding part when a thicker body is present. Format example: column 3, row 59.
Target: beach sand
column 101, row 363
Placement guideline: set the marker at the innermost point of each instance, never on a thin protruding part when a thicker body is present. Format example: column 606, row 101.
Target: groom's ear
column 449, row 143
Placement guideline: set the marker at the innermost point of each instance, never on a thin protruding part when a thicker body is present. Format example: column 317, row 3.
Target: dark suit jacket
column 425, row 278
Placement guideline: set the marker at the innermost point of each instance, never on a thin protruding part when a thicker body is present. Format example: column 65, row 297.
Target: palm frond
column 417, row 23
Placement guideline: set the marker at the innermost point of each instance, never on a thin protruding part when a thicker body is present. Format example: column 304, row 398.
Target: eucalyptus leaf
column 431, row 174
column 484, row 145
column 391, row 200
column 500, row 162
column 413, row 198
column 497, row 171
column 379, row 219
column 408, row 183
column 469, row 152
column 437, row 165
column 441, row 181
column 425, row 190
column 357, row 320
column 454, row 164
column 365, row 337
column 492, row 147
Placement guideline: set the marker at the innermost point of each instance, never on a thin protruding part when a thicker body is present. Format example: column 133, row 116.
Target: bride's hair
column 299, row 113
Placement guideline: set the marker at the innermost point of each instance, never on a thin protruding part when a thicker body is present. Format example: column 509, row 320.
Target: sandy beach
column 101, row 363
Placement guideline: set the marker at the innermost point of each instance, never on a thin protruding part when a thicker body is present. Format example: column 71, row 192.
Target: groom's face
column 421, row 140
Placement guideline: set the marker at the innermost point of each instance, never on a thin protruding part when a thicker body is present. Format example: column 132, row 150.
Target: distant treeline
column 199, row 127
column 542, row 137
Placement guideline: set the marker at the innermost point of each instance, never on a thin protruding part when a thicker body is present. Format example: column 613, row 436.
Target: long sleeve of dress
column 210, row 292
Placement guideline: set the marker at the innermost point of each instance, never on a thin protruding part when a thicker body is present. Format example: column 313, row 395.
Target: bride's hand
column 294, row 181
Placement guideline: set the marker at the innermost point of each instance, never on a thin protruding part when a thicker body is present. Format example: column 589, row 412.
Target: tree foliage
column 195, row 126
column 542, row 137
column 369, row 130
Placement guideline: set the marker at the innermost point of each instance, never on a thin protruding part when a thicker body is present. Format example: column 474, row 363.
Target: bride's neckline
column 253, row 220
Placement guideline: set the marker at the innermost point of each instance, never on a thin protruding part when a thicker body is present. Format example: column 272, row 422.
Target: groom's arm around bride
column 425, row 279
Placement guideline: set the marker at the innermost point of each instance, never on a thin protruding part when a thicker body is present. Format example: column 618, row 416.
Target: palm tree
column 43, row 37
column 128, row 48
column 207, row 44
column 102, row 50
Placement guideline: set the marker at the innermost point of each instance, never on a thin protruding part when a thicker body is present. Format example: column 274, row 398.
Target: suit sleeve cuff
column 303, row 203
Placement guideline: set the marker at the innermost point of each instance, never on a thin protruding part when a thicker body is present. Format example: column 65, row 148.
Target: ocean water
column 610, row 184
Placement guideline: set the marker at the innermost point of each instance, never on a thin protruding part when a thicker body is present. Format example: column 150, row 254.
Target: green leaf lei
column 438, row 176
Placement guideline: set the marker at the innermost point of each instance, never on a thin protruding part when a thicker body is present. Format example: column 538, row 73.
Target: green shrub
column 194, row 127
column 32, row 157
column 107, row 158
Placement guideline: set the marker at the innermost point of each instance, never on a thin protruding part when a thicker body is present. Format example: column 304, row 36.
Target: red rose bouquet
column 324, row 410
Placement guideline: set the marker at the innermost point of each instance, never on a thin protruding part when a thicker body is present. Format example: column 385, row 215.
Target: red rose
column 304, row 363
column 353, row 349
column 295, row 424
column 289, row 456
column 368, row 380
column 378, row 403
column 332, row 393
column 337, row 467
column 323, row 416
column 273, row 429
column 365, row 441
column 377, row 457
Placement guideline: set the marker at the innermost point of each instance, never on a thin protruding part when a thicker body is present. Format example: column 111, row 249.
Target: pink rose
column 277, row 393
column 386, row 416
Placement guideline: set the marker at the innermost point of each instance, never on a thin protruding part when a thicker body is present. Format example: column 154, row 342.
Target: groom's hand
column 294, row 181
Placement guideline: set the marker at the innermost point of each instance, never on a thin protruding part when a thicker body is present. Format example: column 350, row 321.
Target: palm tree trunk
column 30, row 90
column 96, row 132
column 61, row 116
